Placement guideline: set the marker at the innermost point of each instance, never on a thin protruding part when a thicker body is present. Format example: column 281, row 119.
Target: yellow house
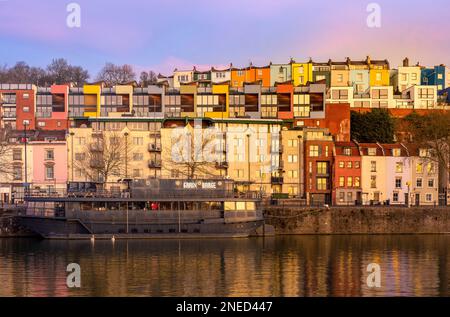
column 301, row 73
column 379, row 72
column 92, row 97
column 220, row 101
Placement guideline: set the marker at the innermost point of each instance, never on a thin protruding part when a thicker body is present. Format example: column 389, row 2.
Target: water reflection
column 413, row 265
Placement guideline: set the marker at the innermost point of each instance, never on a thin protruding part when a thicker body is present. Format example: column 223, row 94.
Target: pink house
column 49, row 161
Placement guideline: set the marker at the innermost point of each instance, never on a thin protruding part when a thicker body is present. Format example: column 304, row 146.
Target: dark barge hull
column 64, row 228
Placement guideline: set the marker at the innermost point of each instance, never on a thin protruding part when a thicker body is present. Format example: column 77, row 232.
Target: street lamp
column 25, row 124
column 126, row 154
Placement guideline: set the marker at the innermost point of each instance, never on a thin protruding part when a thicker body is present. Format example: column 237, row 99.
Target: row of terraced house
column 284, row 130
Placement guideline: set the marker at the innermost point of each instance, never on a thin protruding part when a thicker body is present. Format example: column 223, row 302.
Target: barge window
column 230, row 205
column 250, row 205
column 240, row 205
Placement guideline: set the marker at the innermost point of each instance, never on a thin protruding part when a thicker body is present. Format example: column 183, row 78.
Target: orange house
column 251, row 74
column 285, row 97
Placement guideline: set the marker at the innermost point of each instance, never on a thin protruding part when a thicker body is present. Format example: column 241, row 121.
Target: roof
column 389, row 147
column 365, row 146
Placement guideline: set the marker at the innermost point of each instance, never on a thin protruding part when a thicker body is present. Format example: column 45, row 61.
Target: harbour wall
column 358, row 220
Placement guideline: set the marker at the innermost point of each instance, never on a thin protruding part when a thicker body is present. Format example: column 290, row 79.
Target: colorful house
column 397, row 174
column 251, row 74
column 321, row 72
column 359, row 76
column 18, row 106
column 379, row 72
column 373, row 173
column 318, row 158
column 280, row 73
column 219, row 76
column 405, row 76
column 301, row 73
column 346, row 174
column 434, row 76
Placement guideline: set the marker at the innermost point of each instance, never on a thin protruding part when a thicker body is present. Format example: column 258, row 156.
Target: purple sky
column 164, row 34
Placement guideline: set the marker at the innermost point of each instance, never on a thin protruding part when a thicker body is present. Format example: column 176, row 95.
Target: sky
column 161, row 35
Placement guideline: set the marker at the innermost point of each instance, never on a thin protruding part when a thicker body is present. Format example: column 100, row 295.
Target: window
column 373, row 166
column 356, row 164
column 349, row 196
column 137, row 172
column 81, row 140
column 341, row 164
column 396, row 152
column 292, row 158
column 313, row 150
column 378, row 76
column 322, row 183
column 341, row 181
column 349, row 181
column 26, row 95
column 373, row 181
column 293, row 174
column 419, row 182
column 349, row 164
column 138, row 156
column 341, row 196
column 17, row 154
column 398, row 167
column 49, row 155
column 80, row 156
column 357, row 181
column 430, row 168
column 429, row 197
column 395, row 197
column 398, row 182
column 41, row 123
column 292, row 143
column 347, row 151
column 138, row 140
column 49, row 172
column 17, row 173
column 26, row 109
column 322, row 168
column 340, row 78
column 419, row 168
column 372, row 151
column 431, row 182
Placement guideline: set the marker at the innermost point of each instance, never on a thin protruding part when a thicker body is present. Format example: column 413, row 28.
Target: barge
column 150, row 208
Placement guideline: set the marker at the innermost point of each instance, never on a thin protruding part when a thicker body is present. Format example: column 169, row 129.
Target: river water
column 410, row 265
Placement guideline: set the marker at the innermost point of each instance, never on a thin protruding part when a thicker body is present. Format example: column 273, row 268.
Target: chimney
column 406, row 62
column 368, row 60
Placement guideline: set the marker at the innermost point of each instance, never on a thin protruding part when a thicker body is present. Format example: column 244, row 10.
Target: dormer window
column 372, row 151
column 347, row 151
column 396, row 152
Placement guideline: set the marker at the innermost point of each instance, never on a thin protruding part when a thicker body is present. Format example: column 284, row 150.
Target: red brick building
column 18, row 106
column 318, row 158
column 346, row 174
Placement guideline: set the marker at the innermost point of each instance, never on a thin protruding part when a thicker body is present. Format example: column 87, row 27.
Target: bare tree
column 116, row 74
column 193, row 155
column 59, row 71
column 6, row 152
column 107, row 155
column 147, row 78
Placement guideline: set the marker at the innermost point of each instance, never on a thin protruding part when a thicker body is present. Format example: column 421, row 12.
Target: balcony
column 154, row 164
column 96, row 147
column 276, row 180
column 154, row 147
column 221, row 165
